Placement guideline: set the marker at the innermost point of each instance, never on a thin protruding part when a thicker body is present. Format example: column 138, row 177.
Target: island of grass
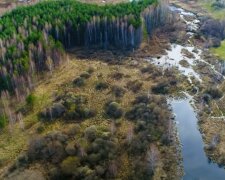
column 217, row 13
column 220, row 51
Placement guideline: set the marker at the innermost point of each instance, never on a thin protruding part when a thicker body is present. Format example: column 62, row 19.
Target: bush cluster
column 80, row 81
column 117, row 75
column 101, row 86
column 161, row 88
column 113, row 110
column 134, row 86
column 214, row 92
column 70, row 107
column 148, row 113
column 118, row 91
column 89, row 156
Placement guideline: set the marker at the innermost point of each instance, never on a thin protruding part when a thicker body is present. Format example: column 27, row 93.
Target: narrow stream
column 195, row 162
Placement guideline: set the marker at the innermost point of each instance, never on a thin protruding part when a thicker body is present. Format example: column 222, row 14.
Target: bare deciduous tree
column 152, row 157
column 130, row 133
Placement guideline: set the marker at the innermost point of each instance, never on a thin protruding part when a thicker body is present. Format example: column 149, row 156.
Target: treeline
column 33, row 39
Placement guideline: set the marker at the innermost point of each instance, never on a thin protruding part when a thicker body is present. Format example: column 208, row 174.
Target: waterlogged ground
column 182, row 57
column 189, row 60
column 177, row 58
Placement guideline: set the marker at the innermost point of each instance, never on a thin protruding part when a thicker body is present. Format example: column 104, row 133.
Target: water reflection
column 196, row 164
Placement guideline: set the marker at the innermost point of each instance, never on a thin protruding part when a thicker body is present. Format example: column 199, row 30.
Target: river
column 195, row 162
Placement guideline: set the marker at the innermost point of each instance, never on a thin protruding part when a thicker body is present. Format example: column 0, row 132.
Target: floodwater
column 175, row 56
column 177, row 52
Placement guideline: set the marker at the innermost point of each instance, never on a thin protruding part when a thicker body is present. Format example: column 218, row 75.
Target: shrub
column 35, row 147
column 212, row 28
column 71, row 149
column 94, row 158
column 70, row 100
column 166, row 140
column 70, row 165
column 218, row 5
column 140, row 112
column 57, row 110
column 140, row 126
column 100, row 170
column 91, row 133
column 73, row 129
column 147, row 69
column 206, row 98
column 117, row 75
column 40, row 129
column 3, row 121
column 85, row 173
column 101, row 86
column 137, row 146
column 142, row 171
column 79, row 112
column 214, row 93
column 30, row 101
column 22, row 160
column 118, row 91
column 160, row 88
column 113, row 110
column 55, row 173
column 50, row 147
column 80, row 81
column 87, row 113
column 85, row 75
column 134, row 86
column 141, row 99
column 90, row 70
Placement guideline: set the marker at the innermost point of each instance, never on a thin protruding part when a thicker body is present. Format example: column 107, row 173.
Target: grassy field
column 217, row 14
column 220, row 51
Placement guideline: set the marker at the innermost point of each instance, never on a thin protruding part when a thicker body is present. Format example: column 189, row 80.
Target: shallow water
column 173, row 58
column 195, row 162
column 192, row 23
column 175, row 55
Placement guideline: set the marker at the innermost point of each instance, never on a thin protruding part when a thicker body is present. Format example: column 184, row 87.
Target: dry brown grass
column 212, row 128
column 14, row 142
